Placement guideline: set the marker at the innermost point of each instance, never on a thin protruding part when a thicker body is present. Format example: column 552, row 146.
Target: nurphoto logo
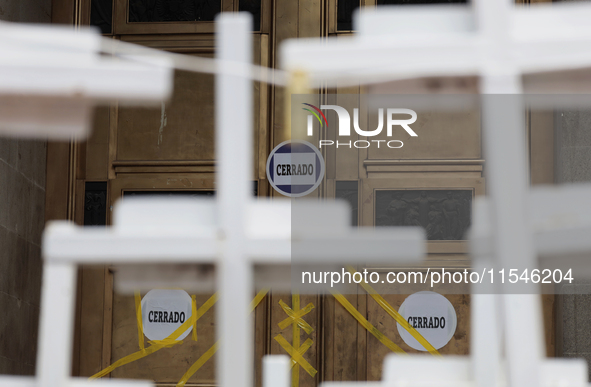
column 395, row 117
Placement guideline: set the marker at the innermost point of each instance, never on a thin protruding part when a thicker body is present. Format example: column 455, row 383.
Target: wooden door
column 171, row 149
column 164, row 150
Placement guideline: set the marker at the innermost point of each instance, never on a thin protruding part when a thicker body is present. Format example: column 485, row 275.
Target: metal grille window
column 95, row 204
column 254, row 7
column 101, row 15
column 142, row 11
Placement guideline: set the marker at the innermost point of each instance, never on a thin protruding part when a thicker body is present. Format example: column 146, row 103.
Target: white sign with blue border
column 295, row 168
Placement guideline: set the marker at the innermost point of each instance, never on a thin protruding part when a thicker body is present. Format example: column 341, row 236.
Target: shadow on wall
column 22, row 217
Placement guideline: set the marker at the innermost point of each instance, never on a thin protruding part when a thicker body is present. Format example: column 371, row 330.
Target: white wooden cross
column 51, row 77
column 225, row 234
column 499, row 43
column 232, row 231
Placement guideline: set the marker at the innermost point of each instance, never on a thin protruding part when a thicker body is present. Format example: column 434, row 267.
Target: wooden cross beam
column 395, row 43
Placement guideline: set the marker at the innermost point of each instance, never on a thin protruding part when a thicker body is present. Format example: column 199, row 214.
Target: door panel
column 167, row 365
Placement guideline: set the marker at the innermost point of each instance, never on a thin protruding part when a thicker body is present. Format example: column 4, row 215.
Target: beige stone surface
column 22, row 214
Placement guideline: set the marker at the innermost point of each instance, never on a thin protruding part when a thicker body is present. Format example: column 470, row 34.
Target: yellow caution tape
column 127, row 359
column 296, row 317
column 366, row 324
column 211, row 351
column 295, row 374
column 166, row 343
column 138, row 314
column 156, row 345
column 194, row 313
column 258, row 298
column 303, row 349
column 206, row 306
column 296, row 356
column 172, row 339
column 397, row 316
column 198, row 364
column 296, row 351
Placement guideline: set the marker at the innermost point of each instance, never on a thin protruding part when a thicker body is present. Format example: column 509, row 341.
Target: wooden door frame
column 65, row 191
